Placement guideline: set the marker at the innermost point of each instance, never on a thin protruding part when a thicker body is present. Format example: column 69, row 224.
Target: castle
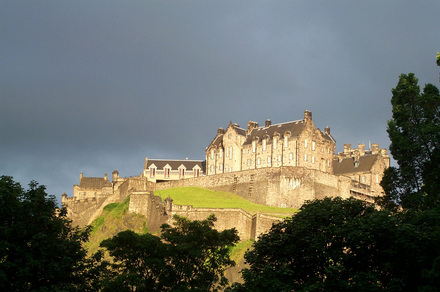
column 280, row 165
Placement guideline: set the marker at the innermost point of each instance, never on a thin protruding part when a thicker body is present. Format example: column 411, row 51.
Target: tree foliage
column 39, row 250
column 414, row 131
column 346, row 245
column 191, row 255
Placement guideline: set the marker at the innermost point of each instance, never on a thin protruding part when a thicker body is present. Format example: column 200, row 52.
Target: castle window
column 286, row 142
column 226, row 167
column 212, row 153
column 221, row 166
column 275, row 141
column 268, row 160
column 328, row 163
column 305, row 157
column 221, row 153
column 212, row 168
column 313, row 145
column 167, row 173
column 196, row 172
column 227, row 152
column 182, row 173
column 328, row 150
column 249, row 162
column 258, row 161
column 363, row 179
column 254, row 146
column 230, row 153
column 291, row 156
column 264, row 145
column 305, row 143
column 279, row 157
column 377, row 178
column 152, row 172
column 313, row 159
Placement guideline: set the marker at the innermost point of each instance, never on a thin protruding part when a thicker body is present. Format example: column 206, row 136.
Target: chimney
column 361, row 148
column 220, row 131
column 80, row 176
column 105, row 176
column 251, row 125
column 327, row 130
column 374, row 148
column 347, row 149
column 267, row 123
column 115, row 176
column 307, row 115
column 340, row 157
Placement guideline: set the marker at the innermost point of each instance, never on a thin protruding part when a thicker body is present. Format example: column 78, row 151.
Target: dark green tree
column 345, row 245
column 191, row 255
column 414, row 131
column 39, row 250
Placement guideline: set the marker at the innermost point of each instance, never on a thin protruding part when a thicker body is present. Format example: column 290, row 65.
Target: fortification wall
column 157, row 212
column 151, row 206
column 80, row 211
column 286, row 186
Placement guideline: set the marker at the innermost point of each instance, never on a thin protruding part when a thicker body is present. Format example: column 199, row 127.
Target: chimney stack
column 251, row 125
column 374, row 148
column 347, row 149
column 307, row 115
column 361, row 148
column 267, row 123
column 327, row 130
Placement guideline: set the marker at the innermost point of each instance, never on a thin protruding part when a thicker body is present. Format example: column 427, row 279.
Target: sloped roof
column 189, row 164
column 347, row 165
column 94, row 183
column 295, row 128
column 240, row 131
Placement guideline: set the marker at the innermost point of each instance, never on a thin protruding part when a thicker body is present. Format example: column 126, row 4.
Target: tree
column 192, row 255
column 414, row 131
column 345, row 245
column 39, row 250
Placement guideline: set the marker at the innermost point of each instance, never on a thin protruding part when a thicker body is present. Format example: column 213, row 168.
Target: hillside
column 115, row 217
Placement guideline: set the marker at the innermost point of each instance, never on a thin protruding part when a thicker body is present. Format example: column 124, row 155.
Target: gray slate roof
column 347, row 165
column 94, row 183
column 295, row 128
column 189, row 164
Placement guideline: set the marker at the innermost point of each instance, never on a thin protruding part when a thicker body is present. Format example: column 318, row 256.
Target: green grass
column 114, row 219
column 238, row 250
column 205, row 198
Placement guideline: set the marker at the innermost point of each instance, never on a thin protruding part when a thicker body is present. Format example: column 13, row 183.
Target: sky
column 94, row 86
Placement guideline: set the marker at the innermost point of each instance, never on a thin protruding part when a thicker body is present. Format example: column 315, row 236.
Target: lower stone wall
column 157, row 212
column 281, row 187
column 80, row 211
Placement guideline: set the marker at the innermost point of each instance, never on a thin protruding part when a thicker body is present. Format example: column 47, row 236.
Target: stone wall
column 281, row 187
column 157, row 212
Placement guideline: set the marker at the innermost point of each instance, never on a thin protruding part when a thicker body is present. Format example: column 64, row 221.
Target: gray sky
column 93, row 86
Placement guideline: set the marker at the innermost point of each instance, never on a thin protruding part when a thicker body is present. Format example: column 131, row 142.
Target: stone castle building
column 296, row 143
column 281, row 165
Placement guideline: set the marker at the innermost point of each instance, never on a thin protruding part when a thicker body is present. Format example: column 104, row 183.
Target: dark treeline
column 330, row 245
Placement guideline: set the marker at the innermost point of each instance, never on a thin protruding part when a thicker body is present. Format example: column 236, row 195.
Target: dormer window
column 152, row 172
column 167, row 172
column 286, row 142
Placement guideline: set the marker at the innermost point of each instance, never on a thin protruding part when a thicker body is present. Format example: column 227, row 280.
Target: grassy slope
column 115, row 218
column 204, row 198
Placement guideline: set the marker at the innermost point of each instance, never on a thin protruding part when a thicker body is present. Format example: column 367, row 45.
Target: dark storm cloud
column 93, row 86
